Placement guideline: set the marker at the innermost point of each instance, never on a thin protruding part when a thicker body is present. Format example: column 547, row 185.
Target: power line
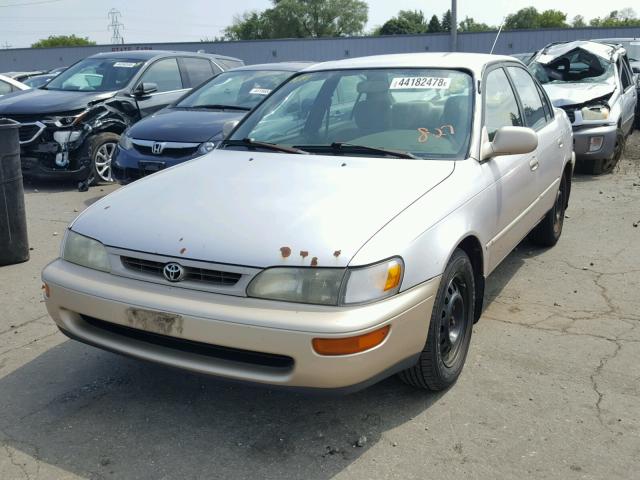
column 29, row 3
column 115, row 25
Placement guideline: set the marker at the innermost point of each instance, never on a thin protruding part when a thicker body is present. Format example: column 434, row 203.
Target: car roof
column 468, row 61
column 150, row 54
column 279, row 66
column 13, row 82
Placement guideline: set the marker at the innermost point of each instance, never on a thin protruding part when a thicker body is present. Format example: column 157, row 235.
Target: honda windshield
column 394, row 113
column 97, row 75
column 242, row 88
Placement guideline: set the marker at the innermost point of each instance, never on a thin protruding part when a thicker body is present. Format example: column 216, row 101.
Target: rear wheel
column 548, row 231
column 605, row 165
column 449, row 336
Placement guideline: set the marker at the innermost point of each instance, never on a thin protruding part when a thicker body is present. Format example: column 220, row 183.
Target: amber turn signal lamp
column 45, row 290
column 394, row 274
column 349, row 345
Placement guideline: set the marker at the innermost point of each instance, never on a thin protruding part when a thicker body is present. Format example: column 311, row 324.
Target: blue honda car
column 196, row 123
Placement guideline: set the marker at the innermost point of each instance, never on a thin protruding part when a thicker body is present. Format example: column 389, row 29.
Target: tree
column 617, row 18
column 470, row 25
column 523, row 18
column 63, row 41
column 553, row 19
column 446, row 22
column 434, row 25
column 578, row 22
column 301, row 18
column 406, row 22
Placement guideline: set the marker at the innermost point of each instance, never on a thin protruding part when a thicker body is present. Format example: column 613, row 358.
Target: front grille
column 29, row 131
column 168, row 151
column 571, row 113
column 192, row 274
column 269, row 360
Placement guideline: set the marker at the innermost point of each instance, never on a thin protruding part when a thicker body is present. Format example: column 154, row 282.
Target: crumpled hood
column 562, row 94
column 37, row 101
column 261, row 209
column 177, row 125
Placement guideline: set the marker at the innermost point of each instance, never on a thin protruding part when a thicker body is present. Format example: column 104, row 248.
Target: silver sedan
column 342, row 233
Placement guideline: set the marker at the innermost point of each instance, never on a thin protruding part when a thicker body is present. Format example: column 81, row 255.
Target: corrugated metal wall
column 260, row 51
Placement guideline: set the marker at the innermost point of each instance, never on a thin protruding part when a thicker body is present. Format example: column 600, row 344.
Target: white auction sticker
column 125, row 64
column 259, row 91
column 404, row 83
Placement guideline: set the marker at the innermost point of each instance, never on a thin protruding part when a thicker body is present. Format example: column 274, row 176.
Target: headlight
column 329, row 286
column 125, row 141
column 85, row 251
column 206, row 147
column 598, row 112
column 300, row 285
column 67, row 120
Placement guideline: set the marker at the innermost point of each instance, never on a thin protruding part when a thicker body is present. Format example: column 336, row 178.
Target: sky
column 23, row 22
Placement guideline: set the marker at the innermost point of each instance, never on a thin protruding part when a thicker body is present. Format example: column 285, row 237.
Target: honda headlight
column 596, row 112
column 67, row 120
column 328, row 286
column 206, row 147
column 85, row 251
column 125, row 142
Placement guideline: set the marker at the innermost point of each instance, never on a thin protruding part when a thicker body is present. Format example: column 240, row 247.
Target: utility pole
column 115, row 26
column 6, row 45
column 454, row 25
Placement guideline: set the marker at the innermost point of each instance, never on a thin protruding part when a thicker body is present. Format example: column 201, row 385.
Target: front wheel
column 101, row 151
column 449, row 336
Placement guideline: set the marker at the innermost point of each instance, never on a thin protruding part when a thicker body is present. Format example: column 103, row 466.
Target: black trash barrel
column 14, row 246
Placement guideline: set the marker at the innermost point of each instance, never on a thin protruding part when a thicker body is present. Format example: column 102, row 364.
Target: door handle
column 533, row 164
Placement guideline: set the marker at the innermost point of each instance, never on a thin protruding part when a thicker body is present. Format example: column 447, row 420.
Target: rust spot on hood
column 314, row 262
column 304, row 253
column 337, row 253
column 285, row 251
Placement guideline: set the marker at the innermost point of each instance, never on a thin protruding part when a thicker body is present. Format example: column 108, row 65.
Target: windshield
column 97, row 75
column 244, row 88
column 576, row 66
column 424, row 112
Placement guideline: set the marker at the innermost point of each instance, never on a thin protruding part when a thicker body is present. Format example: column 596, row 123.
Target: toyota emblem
column 173, row 272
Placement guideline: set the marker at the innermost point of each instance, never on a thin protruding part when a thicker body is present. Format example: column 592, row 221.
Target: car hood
column 176, row 125
column 562, row 94
column 262, row 209
column 38, row 101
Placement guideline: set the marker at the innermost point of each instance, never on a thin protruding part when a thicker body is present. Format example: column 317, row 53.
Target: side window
column 165, row 74
column 5, row 88
column 501, row 108
column 548, row 109
column 530, row 97
column 199, row 70
column 625, row 78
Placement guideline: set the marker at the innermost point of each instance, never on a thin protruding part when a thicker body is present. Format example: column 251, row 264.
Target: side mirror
column 509, row 141
column 228, row 127
column 145, row 88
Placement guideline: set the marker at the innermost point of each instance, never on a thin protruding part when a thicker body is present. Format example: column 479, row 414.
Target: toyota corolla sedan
column 344, row 235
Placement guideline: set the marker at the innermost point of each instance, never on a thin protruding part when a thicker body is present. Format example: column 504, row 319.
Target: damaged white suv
column 594, row 84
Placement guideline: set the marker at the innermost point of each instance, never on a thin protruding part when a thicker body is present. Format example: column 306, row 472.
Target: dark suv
column 71, row 126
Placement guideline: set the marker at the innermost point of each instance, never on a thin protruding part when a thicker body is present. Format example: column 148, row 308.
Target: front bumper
column 583, row 135
column 83, row 302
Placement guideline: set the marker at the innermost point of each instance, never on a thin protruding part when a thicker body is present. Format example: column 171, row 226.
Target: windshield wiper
column 219, row 106
column 366, row 148
column 250, row 142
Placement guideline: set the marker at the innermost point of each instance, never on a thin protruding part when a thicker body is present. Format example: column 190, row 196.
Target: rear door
column 547, row 160
column 165, row 73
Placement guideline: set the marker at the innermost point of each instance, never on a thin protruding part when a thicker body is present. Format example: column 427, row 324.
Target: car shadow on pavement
column 98, row 414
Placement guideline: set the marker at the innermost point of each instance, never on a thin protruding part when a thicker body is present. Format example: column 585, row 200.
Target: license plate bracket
column 155, row 322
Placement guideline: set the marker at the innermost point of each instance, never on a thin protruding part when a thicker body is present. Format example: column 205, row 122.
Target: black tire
column 101, row 146
column 605, row 165
column 548, row 231
column 449, row 335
